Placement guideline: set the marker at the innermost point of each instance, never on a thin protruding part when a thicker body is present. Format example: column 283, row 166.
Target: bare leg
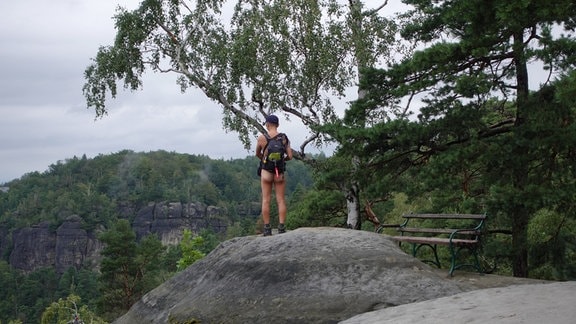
column 279, row 189
column 266, row 181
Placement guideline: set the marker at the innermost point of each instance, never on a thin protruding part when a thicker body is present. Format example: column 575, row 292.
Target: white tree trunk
column 353, row 205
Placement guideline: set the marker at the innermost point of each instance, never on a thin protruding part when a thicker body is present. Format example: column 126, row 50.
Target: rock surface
column 529, row 304
column 309, row 275
column 75, row 247
column 69, row 245
column 34, row 246
column 168, row 220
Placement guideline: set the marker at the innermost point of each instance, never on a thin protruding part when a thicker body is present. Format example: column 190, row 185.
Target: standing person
column 273, row 150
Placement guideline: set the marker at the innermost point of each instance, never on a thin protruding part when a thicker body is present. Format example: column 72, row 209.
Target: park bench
column 458, row 232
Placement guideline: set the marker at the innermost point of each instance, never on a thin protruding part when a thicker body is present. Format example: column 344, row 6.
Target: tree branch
column 375, row 10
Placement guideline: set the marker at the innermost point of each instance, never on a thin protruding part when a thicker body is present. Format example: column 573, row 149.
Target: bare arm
column 260, row 144
column 288, row 151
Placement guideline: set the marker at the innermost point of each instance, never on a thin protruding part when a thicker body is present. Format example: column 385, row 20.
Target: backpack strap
column 268, row 138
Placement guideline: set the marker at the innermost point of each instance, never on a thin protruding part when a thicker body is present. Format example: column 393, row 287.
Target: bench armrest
column 390, row 225
column 470, row 232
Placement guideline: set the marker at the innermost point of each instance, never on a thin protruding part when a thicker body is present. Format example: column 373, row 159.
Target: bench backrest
column 480, row 217
column 472, row 228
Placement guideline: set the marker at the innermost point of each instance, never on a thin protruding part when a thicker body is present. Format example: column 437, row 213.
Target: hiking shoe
column 281, row 229
column 267, row 230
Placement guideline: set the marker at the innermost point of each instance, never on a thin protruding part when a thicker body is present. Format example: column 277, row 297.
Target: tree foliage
column 293, row 57
column 25, row 297
column 297, row 58
column 98, row 189
column 69, row 310
column 127, row 267
column 190, row 246
column 461, row 110
column 9, row 280
column 106, row 188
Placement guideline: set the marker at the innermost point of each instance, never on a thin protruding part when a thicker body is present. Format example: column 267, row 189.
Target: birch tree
column 296, row 58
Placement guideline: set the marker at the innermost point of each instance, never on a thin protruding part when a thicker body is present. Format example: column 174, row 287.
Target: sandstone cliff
column 169, row 219
column 69, row 245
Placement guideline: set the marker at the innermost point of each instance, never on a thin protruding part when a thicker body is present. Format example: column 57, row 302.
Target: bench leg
column 434, row 247
column 454, row 252
column 477, row 261
column 453, row 255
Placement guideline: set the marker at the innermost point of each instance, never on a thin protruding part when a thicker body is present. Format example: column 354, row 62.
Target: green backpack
column 275, row 150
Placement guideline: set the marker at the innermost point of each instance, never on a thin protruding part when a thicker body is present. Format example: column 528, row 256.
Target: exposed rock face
column 39, row 246
column 34, row 247
column 70, row 245
column 75, row 247
column 309, row 275
column 169, row 219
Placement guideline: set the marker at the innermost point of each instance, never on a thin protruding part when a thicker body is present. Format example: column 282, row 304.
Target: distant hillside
column 158, row 192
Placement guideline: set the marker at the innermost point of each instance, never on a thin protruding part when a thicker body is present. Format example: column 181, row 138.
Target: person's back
column 273, row 149
column 274, row 153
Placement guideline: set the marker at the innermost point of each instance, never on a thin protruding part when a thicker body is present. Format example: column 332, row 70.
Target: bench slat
column 466, row 237
column 446, row 216
column 433, row 240
column 437, row 230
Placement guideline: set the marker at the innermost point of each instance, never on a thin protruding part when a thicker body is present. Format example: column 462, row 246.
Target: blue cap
column 272, row 119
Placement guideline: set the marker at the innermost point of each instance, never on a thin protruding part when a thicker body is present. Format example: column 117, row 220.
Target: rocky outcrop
column 309, row 275
column 70, row 245
column 33, row 247
column 169, row 219
column 40, row 246
column 75, row 247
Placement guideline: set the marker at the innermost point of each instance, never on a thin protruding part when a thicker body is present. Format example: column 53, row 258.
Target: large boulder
column 309, row 275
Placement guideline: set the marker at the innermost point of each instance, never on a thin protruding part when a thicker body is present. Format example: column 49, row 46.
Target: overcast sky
column 45, row 47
